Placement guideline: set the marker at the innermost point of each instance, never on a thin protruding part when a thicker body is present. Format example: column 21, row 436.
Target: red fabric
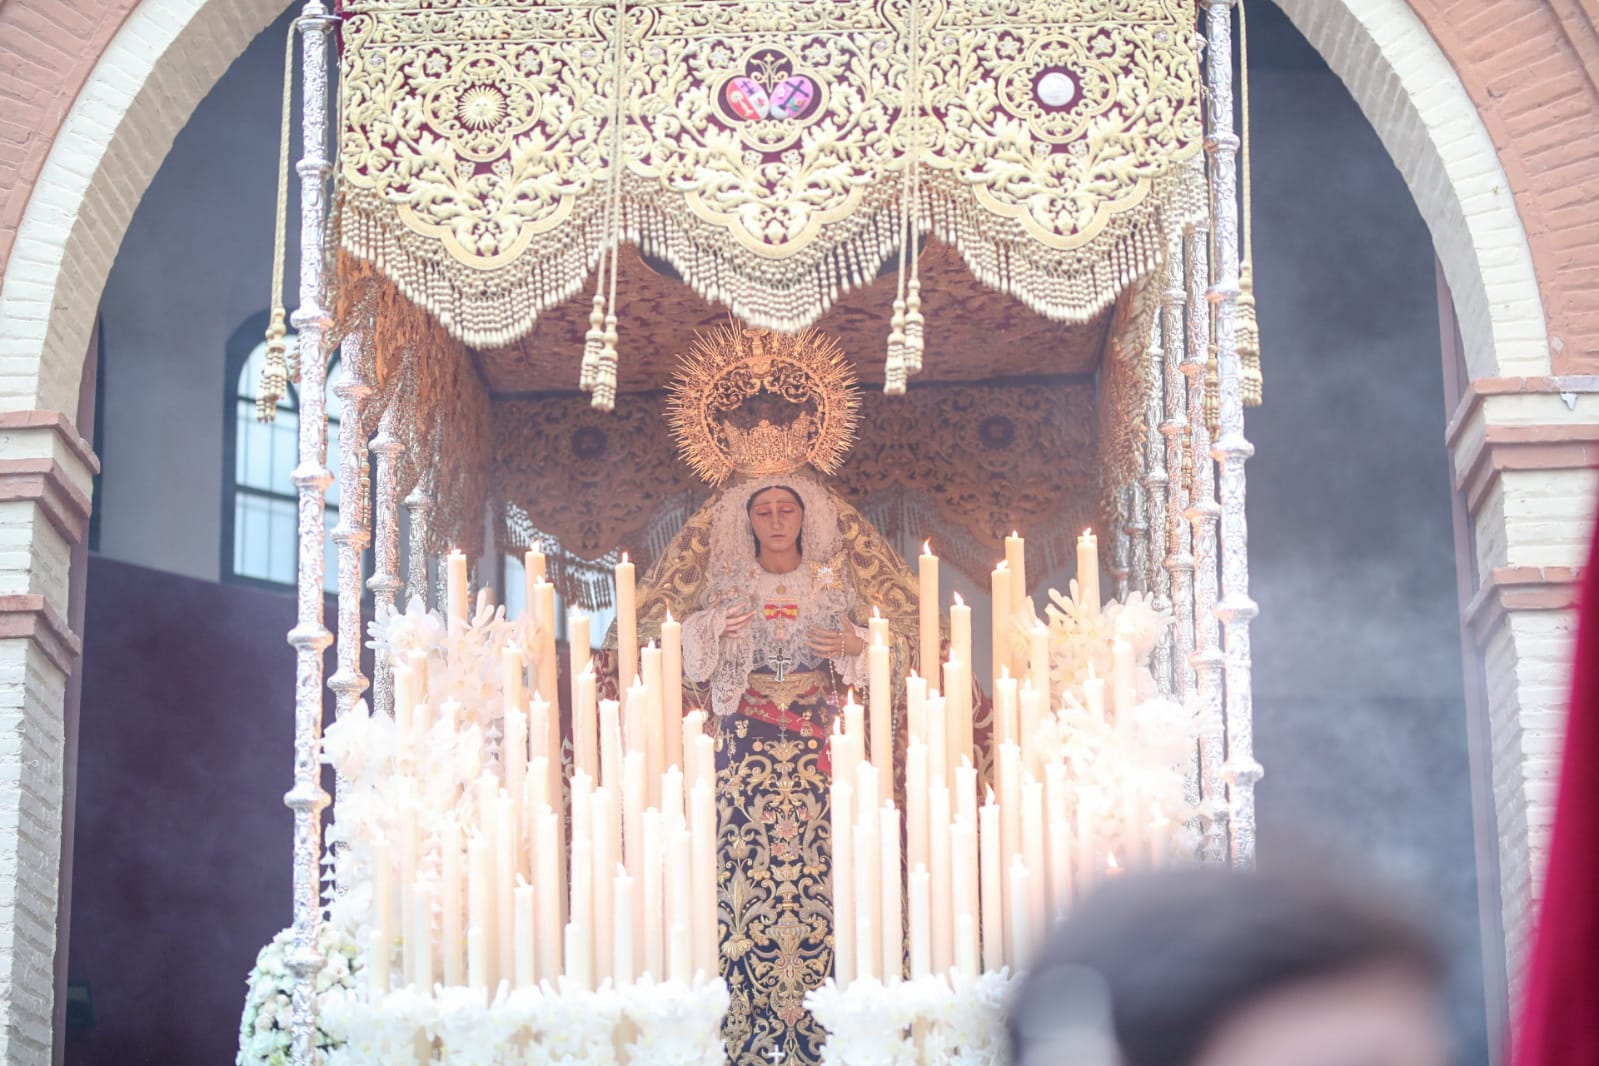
column 1560, row 1016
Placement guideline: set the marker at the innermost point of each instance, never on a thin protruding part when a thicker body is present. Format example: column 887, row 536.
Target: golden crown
column 729, row 365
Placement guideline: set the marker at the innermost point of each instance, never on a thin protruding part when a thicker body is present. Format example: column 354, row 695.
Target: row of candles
column 632, row 891
column 975, row 885
column 510, row 893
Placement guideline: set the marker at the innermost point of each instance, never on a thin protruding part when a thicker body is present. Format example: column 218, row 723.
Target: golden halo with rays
column 731, row 364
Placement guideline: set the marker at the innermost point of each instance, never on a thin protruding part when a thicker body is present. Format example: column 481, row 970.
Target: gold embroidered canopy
column 774, row 152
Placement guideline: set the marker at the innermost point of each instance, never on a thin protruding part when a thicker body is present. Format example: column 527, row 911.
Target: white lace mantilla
column 816, row 595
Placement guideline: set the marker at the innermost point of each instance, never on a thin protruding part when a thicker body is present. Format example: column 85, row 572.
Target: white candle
column 958, row 694
column 927, row 602
column 582, row 908
column 679, row 902
column 633, row 803
column 702, row 818
column 1004, row 614
column 455, row 588
column 602, row 882
column 938, row 733
column 1016, row 562
column 1005, row 727
column 891, row 887
column 843, row 878
column 543, row 602
column 963, row 846
column 1086, row 815
column 966, row 946
column 1038, row 660
column 1021, row 933
column 1033, row 852
column 704, row 762
column 610, row 738
column 504, row 885
column 578, row 956
column 672, row 689
column 942, row 879
column 422, row 936
column 377, row 966
column 877, row 629
column 654, row 722
column 1032, row 715
column 960, row 632
column 652, row 928
column 383, row 900
column 1088, row 571
column 419, row 673
column 916, row 707
column 993, row 910
column 522, row 930
column 450, row 900
column 868, row 895
column 966, row 793
column 480, row 895
column 693, row 727
column 410, row 854
column 866, row 793
column 511, row 677
column 882, row 701
column 681, row 962
column 513, row 758
column 551, row 890
column 916, row 805
column 921, row 923
column 1060, row 869
column 673, row 813
column 622, row 962
column 626, row 624
column 477, row 960
column 533, row 561
column 585, row 724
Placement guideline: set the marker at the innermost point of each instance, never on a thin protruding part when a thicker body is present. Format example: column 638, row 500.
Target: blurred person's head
column 1233, row 968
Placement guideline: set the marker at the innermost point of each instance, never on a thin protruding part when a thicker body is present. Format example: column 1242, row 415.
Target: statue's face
column 777, row 516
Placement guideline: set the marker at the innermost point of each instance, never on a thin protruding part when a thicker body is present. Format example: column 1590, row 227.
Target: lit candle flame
column 914, row 675
column 668, row 618
column 990, row 801
column 875, row 612
column 959, row 602
column 624, row 557
column 1111, row 865
column 1016, row 534
column 927, row 546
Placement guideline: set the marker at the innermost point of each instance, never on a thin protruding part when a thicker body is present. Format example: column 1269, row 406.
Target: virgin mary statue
column 775, row 580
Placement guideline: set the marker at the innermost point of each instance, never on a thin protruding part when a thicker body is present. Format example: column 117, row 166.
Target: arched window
column 260, row 513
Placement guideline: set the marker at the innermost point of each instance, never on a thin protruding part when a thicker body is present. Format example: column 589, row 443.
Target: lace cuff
column 853, row 671
column 702, row 639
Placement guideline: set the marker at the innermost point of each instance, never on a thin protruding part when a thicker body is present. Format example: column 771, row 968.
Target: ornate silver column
column 310, row 637
column 1202, row 514
column 1138, row 540
column 1230, row 449
column 1179, row 555
column 385, row 581
column 418, row 512
column 353, row 533
column 1156, row 482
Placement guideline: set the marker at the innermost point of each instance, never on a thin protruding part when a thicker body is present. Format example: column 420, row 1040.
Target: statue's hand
column 738, row 619
column 834, row 643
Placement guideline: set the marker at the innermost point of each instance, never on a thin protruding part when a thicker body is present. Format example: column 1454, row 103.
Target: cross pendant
column 775, row 1054
column 781, row 662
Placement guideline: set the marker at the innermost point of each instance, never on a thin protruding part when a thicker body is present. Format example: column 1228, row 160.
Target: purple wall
column 182, row 857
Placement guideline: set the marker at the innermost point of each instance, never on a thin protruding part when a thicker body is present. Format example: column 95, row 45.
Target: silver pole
column 309, row 637
column 1202, row 515
column 1230, row 449
column 385, row 581
column 1156, row 483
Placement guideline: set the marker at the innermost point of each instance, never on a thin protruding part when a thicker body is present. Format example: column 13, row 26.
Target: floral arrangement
column 264, row 1038
column 947, row 1020
column 659, row 1024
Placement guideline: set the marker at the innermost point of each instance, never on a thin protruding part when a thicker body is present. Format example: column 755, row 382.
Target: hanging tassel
column 894, row 366
column 593, row 344
column 274, row 382
column 605, row 371
column 1247, row 337
column 913, row 326
column 1212, row 394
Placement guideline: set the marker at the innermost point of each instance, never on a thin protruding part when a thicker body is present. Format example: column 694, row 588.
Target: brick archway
column 106, row 94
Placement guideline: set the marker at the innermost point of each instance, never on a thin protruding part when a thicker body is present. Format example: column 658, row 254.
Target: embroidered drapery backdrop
column 964, row 465
column 765, row 146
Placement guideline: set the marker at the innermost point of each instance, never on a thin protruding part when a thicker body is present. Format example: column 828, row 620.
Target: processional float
column 774, row 157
